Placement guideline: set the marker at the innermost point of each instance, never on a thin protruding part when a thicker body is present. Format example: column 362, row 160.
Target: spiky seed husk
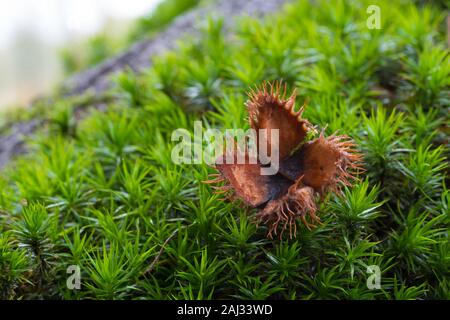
column 315, row 168
column 268, row 108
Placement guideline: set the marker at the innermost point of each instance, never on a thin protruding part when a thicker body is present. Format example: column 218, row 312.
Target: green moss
column 102, row 192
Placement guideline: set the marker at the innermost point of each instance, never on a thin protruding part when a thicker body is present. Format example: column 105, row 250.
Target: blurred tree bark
column 138, row 57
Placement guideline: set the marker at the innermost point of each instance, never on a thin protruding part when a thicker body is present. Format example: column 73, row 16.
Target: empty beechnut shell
column 308, row 170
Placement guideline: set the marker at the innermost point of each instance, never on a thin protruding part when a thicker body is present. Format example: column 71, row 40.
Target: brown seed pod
column 269, row 109
column 307, row 168
column 325, row 163
column 244, row 181
column 282, row 213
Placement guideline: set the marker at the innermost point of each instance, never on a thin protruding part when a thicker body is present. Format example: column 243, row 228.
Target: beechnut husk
column 307, row 169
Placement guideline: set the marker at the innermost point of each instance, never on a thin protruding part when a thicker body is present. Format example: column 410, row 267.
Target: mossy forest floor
column 101, row 192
